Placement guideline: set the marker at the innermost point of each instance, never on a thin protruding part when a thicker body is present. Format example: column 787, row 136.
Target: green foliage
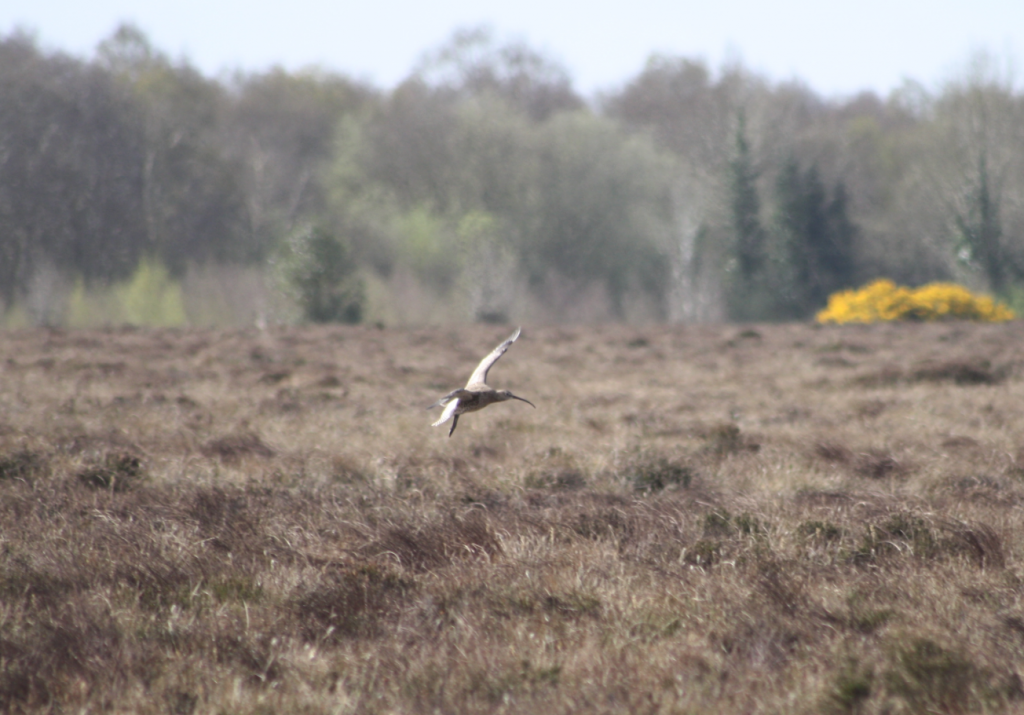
column 484, row 176
column 430, row 245
column 600, row 211
column 788, row 271
column 1013, row 298
column 148, row 297
column 283, row 128
column 479, row 189
column 976, row 140
column 323, row 278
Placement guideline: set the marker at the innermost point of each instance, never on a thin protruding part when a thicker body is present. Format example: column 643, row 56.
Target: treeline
column 484, row 187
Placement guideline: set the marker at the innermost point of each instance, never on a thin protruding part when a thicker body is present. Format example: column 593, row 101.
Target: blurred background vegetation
column 484, row 187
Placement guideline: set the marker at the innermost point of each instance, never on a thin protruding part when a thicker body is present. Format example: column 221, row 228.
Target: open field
column 778, row 519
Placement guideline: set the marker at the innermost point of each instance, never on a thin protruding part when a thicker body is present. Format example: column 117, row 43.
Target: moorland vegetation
column 734, row 519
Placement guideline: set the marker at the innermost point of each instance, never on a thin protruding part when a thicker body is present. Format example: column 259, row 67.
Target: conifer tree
column 815, row 239
column 746, row 208
column 746, row 299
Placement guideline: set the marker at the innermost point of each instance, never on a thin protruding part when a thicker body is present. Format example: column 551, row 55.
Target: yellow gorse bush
column 884, row 300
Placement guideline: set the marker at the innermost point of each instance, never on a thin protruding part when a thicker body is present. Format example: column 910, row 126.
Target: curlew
column 477, row 394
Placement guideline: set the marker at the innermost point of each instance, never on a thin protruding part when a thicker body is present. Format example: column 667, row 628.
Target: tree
column 599, row 211
column 685, row 110
column 745, row 208
column 471, row 64
column 837, row 255
column 280, row 129
column 193, row 203
column 980, row 231
column 70, row 169
column 571, row 200
column 749, row 251
column 975, row 166
column 323, row 277
column 815, row 239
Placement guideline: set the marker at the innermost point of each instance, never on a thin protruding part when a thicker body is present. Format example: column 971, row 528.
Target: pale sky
column 836, row 48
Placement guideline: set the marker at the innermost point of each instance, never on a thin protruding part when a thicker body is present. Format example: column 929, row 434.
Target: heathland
column 761, row 518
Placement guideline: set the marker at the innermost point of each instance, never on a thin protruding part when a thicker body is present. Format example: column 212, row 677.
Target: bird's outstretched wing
column 449, row 410
column 479, row 375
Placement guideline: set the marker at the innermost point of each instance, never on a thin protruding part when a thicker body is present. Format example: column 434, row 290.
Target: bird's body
column 477, row 394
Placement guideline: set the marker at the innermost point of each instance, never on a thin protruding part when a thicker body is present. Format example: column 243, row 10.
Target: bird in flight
column 477, row 394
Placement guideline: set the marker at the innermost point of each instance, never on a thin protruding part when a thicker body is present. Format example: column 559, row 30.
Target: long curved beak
column 523, row 399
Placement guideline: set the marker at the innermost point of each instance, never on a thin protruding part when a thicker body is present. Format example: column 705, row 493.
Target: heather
column 760, row 518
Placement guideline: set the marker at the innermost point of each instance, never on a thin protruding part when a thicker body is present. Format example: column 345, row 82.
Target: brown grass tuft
column 234, row 447
column 23, row 464
column 927, row 676
column 870, row 464
column 725, row 439
column 117, row 471
column 656, row 472
column 351, row 601
column 975, row 371
column 833, row 452
column 879, row 464
column 957, row 371
column 437, row 544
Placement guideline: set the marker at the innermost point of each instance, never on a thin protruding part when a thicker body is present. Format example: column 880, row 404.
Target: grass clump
column 232, row 448
column 703, row 553
column 22, row 464
column 725, row 439
column 852, row 687
column 654, row 473
column 819, row 530
column 976, row 371
column 863, row 615
column 523, row 677
column 899, row 533
column 928, row 677
column 351, row 601
column 118, row 472
column 883, row 301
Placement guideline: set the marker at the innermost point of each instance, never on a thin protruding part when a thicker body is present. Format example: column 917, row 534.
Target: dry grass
column 695, row 519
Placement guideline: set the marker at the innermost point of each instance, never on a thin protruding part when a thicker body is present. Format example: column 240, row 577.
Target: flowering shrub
column 884, row 300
